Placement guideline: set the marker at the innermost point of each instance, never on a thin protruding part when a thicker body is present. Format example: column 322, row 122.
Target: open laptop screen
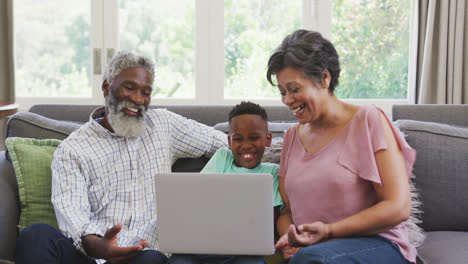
column 215, row 213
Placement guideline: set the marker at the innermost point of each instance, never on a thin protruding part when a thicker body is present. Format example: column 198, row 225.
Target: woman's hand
column 308, row 234
column 287, row 250
column 304, row 235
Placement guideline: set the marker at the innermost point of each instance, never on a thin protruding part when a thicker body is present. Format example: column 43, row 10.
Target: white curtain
column 439, row 52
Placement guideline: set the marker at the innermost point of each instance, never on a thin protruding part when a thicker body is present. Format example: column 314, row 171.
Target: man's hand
column 107, row 248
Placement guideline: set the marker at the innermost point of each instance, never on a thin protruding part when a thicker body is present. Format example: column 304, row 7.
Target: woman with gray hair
column 344, row 171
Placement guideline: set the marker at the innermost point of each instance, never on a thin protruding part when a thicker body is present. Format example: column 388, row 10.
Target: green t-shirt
column 223, row 162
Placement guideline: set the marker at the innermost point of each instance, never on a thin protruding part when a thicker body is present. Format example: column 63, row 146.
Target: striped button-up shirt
column 100, row 179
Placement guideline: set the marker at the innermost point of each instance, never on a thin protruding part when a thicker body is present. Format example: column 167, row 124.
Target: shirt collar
column 96, row 116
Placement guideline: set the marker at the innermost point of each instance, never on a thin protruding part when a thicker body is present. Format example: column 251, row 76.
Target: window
column 52, row 43
column 165, row 32
column 206, row 51
column 251, row 31
column 372, row 39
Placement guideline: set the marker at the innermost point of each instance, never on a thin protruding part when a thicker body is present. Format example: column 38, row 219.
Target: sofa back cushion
column 441, row 171
column 277, row 128
column 31, row 125
column 438, row 113
column 206, row 114
column 50, row 122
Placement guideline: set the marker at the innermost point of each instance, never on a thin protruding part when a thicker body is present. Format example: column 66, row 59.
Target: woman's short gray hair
column 309, row 52
column 126, row 59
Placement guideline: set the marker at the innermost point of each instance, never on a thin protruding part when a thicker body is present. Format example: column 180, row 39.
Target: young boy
column 248, row 136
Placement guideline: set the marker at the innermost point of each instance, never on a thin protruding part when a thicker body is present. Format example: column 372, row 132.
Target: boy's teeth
column 247, row 156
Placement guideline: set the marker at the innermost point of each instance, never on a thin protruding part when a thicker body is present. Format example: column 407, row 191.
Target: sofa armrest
column 9, row 208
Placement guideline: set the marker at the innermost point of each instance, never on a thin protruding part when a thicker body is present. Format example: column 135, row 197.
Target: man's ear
column 105, row 88
column 269, row 137
column 229, row 141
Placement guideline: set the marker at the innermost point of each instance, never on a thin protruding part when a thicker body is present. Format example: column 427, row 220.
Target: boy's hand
column 288, row 252
column 283, row 244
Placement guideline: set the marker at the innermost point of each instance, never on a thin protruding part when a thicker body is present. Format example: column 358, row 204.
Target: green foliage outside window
column 52, row 48
column 52, row 45
column 165, row 32
column 372, row 40
column 253, row 29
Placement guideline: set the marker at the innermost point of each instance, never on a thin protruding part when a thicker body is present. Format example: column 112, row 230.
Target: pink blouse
column 336, row 182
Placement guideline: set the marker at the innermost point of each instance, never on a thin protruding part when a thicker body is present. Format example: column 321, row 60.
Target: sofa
column 439, row 133
column 441, row 168
column 58, row 121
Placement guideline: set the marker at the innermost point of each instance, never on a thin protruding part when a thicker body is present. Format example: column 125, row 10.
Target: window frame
column 209, row 54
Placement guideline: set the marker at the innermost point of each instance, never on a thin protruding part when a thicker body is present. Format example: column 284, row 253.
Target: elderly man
column 103, row 174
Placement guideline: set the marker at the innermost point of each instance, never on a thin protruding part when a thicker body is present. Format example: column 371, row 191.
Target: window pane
column 163, row 31
column 52, row 48
column 253, row 28
column 372, row 39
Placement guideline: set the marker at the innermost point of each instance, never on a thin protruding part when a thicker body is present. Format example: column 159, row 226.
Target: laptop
column 226, row 214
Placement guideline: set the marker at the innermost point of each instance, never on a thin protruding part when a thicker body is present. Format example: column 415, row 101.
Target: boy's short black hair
column 248, row 108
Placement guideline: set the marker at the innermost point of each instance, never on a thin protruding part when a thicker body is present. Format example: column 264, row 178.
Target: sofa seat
column 445, row 247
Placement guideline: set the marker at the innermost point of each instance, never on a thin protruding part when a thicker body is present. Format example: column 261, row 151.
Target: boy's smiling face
column 248, row 137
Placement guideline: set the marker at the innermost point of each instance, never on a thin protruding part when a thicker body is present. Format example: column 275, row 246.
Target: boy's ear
column 229, row 141
column 269, row 136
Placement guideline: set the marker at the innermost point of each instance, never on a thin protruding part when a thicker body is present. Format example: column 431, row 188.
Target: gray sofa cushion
column 277, row 128
column 31, row 125
column 206, row 114
column 441, row 173
column 439, row 113
column 189, row 164
column 444, row 247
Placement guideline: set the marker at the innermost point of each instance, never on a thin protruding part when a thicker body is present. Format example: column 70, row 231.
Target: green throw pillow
column 31, row 159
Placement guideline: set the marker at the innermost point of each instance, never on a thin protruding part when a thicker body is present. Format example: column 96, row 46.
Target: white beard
column 122, row 124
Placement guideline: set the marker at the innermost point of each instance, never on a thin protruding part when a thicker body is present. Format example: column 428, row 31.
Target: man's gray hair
column 126, row 59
